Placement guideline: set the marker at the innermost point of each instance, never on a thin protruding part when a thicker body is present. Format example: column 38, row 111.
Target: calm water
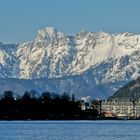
column 69, row 130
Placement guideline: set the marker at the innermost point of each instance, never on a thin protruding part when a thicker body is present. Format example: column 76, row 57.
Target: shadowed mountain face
column 95, row 64
column 130, row 90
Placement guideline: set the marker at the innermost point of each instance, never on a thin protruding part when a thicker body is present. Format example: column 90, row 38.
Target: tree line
column 47, row 106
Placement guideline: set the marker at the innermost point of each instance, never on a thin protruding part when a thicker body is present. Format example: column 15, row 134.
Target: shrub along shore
column 47, row 106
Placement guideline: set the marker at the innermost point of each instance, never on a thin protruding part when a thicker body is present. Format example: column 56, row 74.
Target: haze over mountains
column 87, row 64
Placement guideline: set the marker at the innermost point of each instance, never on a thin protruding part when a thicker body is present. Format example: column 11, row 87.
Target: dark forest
column 47, row 106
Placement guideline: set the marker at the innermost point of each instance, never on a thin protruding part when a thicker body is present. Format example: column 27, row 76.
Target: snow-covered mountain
column 88, row 63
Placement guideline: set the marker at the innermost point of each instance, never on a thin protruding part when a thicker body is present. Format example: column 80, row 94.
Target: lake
column 70, row 130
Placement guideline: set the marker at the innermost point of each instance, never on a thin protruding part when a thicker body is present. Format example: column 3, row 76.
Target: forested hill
column 130, row 90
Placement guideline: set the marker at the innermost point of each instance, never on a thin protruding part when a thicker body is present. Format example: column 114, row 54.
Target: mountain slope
column 130, row 90
column 9, row 63
column 100, row 62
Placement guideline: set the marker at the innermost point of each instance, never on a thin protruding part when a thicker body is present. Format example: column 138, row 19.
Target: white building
column 85, row 102
column 121, row 108
column 137, row 108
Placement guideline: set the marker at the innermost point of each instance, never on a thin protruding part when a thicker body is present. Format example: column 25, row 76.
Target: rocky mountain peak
column 89, row 59
column 48, row 34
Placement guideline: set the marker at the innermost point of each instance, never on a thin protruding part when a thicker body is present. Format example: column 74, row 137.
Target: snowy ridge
column 100, row 59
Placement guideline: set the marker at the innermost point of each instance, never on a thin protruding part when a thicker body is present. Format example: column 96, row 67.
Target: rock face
column 94, row 64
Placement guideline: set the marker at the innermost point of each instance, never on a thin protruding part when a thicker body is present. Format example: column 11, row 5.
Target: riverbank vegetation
column 47, row 106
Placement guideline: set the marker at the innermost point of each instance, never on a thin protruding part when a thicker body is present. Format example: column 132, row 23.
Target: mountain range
column 86, row 64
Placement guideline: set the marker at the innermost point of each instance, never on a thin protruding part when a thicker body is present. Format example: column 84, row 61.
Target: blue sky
column 20, row 19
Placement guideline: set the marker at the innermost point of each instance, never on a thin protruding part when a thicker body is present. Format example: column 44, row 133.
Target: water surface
column 69, row 130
